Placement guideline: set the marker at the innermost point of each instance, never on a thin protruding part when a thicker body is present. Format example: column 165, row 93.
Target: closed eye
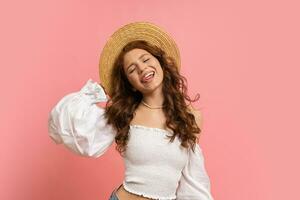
column 134, row 67
column 132, row 70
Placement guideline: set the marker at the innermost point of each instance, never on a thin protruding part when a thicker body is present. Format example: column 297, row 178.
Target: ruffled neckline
column 147, row 128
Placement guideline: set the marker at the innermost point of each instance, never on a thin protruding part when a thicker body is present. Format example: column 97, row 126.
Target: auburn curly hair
column 120, row 108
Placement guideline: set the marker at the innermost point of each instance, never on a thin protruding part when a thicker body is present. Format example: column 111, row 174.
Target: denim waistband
column 113, row 195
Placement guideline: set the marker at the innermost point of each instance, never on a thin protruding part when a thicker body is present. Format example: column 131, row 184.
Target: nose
column 141, row 67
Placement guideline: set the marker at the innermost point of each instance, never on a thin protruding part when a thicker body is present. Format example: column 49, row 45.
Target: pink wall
column 243, row 59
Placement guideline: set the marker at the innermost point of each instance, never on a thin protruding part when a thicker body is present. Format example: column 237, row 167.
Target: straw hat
column 147, row 31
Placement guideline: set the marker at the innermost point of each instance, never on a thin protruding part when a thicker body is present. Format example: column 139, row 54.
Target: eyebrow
column 139, row 58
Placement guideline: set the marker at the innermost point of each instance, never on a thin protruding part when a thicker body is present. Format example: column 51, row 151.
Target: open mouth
column 148, row 77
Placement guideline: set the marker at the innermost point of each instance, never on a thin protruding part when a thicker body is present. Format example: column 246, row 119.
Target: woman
column 146, row 114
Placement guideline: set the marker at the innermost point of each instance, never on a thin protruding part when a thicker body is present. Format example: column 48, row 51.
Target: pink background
column 242, row 57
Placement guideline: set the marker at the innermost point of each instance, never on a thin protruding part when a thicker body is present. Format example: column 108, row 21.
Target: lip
column 145, row 74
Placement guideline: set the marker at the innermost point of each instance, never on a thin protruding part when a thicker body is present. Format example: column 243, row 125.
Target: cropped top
column 154, row 167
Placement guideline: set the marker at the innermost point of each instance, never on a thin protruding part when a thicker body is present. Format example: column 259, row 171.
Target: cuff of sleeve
column 95, row 90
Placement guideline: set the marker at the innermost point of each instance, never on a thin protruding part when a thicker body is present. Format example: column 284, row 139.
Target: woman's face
column 143, row 70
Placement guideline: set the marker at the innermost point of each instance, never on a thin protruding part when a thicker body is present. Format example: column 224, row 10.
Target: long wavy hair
column 120, row 108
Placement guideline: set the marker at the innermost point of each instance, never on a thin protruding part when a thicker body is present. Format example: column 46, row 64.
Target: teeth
column 146, row 76
column 151, row 73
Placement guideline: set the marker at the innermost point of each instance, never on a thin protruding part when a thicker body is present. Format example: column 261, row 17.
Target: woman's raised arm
column 79, row 124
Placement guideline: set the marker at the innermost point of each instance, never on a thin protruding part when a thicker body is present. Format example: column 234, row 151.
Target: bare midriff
column 122, row 194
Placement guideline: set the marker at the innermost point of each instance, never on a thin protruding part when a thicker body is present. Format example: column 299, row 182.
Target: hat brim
column 147, row 31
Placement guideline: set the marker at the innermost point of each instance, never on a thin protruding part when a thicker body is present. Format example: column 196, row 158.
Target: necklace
column 158, row 107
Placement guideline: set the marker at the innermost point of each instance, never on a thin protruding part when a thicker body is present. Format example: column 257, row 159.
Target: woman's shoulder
column 197, row 114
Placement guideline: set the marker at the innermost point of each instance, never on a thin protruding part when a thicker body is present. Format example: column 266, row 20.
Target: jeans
column 113, row 195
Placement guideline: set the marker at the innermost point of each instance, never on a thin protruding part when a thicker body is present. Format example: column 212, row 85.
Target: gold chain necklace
column 158, row 107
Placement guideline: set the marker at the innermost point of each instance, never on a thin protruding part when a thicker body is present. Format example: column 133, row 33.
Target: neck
column 154, row 99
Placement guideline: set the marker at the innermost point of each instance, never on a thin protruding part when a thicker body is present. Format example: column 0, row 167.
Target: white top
column 154, row 168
